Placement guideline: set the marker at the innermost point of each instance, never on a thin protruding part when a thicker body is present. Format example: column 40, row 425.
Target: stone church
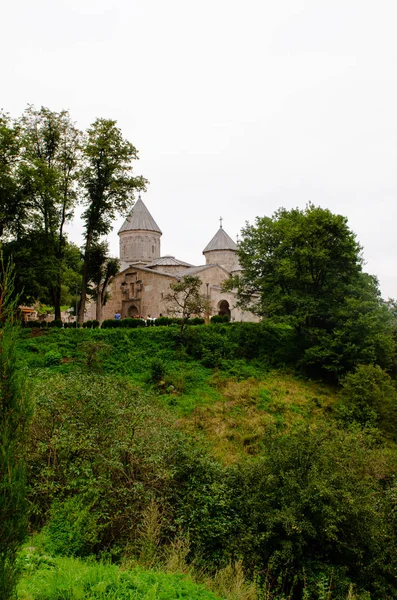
column 140, row 287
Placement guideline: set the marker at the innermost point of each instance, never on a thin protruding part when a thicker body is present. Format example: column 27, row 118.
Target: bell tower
column 140, row 236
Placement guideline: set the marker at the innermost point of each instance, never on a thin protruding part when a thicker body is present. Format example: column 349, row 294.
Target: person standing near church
column 117, row 316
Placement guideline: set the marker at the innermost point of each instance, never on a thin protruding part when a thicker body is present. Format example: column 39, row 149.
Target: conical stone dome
column 140, row 219
column 221, row 250
column 139, row 236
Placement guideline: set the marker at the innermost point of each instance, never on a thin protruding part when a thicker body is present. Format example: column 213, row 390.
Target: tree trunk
column 99, row 304
column 84, row 283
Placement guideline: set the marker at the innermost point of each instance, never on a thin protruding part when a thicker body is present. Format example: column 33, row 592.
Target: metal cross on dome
column 220, row 221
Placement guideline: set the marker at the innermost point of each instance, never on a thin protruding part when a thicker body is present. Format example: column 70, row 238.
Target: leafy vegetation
column 214, row 457
column 304, row 268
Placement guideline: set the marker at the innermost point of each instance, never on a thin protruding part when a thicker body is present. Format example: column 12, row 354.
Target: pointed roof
column 220, row 241
column 140, row 218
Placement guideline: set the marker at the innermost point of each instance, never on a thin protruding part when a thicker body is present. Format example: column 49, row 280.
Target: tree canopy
column 304, row 268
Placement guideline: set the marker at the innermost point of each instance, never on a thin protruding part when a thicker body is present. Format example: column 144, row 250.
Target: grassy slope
column 231, row 406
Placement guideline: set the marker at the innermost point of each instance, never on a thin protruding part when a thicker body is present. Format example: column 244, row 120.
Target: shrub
column 157, row 370
column 94, row 351
column 132, row 323
column 72, row 528
column 43, row 324
column 111, row 323
column 95, row 324
column 163, row 321
column 52, row 358
column 370, row 399
column 220, row 319
column 33, row 324
column 55, row 323
column 196, row 321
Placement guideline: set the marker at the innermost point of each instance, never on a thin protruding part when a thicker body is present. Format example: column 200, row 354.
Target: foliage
column 306, row 510
column 100, row 442
column 220, row 319
column 12, row 206
column 186, row 300
column 52, row 358
column 108, row 185
column 14, row 416
column 48, row 168
column 94, row 352
column 101, row 268
column 47, row 578
column 36, row 269
column 313, row 506
column 369, row 397
column 304, row 268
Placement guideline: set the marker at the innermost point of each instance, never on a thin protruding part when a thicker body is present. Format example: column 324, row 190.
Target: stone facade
column 143, row 282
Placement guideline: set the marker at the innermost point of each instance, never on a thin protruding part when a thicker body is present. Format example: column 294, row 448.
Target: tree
column 102, row 268
column 108, row 186
column 305, row 266
column 34, row 269
column 12, row 205
column 185, row 299
column 369, row 398
column 14, row 417
column 47, row 174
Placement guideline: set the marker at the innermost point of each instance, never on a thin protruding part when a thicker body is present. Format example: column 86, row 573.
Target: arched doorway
column 133, row 311
column 224, row 308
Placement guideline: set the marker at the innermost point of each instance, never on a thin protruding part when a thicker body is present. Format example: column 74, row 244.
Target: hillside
column 211, row 457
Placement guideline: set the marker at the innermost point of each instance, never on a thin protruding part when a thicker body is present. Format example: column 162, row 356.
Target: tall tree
column 109, row 186
column 48, row 172
column 14, row 417
column 102, row 268
column 12, row 205
column 304, row 267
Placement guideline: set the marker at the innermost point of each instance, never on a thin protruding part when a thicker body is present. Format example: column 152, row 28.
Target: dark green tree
column 12, row 203
column 14, row 417
column 102, row 268
column 109, row 186
column 369, row 398
column 304, row 268
column 47, row 174
column 34, row 268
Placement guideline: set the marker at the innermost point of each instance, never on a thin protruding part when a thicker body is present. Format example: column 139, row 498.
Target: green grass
column 63, row 578
column 233, row 405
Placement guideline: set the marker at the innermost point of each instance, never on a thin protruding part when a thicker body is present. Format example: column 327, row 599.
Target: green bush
column 95, row 324
column 55, row 323
column 111, row 323
column 131, row 323
column 52, row 358
column 43, row 324
column 33, row 324
column 162, row 321
column 369, row 398
column 72, row 528
column 220, row 319
column 157, row 370
column 196, row 321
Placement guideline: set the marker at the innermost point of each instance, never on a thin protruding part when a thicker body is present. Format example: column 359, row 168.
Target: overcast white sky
column 236, row 107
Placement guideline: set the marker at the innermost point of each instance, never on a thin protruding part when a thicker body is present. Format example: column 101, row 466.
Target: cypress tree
column 14, row 417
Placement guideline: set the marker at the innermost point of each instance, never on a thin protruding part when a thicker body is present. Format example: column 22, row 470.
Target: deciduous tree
column 102, row 268
column 306, row 268
column 186, row 300
column 109, row 186
column 48, row 173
